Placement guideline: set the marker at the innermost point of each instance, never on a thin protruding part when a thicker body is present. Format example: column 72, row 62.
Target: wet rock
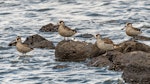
column 129, row 46
column 37, row 41
column 135, row 65
column 49, row 28
column 137, row 70
column 104, row 60
column 75, row 51
column 144, row 38
column 100, row 61
column 85, row 35
column 60, row 66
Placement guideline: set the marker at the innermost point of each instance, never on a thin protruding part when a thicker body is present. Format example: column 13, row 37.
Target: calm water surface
column 25, row 18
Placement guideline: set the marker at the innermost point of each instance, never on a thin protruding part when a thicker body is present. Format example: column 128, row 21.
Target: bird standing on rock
column 23, row 48
column 65, row 31
column 105, row 44
column 132, row 31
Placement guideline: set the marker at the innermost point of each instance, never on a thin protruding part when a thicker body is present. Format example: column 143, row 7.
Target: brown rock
column 137, row 67
column 144, row 38
column 100, row 61
column 60, row 66
column 49, row 28
column 75, row 51
column 104, row 60
column 129, row 46
column 37, row 41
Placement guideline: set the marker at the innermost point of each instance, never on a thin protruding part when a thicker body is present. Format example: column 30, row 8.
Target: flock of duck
column 103, row 44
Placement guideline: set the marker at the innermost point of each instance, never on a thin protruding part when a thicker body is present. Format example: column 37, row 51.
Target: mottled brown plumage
column 23, row 48
column 65, row 31
column 132, row 31
column 104, row 44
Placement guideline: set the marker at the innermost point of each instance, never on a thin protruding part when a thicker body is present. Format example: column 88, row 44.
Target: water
column 25, row 18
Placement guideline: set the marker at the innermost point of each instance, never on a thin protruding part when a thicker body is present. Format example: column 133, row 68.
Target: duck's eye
column 97, row 34
column 18, row 38
column 61, row 22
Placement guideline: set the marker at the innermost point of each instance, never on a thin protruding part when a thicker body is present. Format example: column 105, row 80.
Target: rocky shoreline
column 131, row 57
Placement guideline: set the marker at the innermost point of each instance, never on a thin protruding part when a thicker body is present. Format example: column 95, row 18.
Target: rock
column 49, row 28
column 37, row 41
column 144, row 38
column 75, row 51
column 135, row 65
column 129, row 46
column 60, row 66
column 100, row 61
column 104, row 60
column 85, row 35
column 137, row 70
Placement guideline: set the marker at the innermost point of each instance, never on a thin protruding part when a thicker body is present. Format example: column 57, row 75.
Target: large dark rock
column 116, row 59
column 104, row 60
column 137, row 70
column 37, row 41
column 49, row 28
column 123, row 60
column 75, row 51
column 135, row 65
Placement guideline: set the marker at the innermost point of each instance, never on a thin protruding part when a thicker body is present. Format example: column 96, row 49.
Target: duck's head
column 18, row 39
column 61, row 23
column 97, row 36
column 127, row 25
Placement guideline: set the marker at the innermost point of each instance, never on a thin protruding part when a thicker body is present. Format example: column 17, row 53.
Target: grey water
column 25, row 17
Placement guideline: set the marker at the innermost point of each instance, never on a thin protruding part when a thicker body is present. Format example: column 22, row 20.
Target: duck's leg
column 105, row 54
column 64, row 38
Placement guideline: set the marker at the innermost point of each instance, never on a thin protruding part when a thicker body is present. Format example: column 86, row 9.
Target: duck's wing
column 107, row 41
column 69, row 29
column 136, row 29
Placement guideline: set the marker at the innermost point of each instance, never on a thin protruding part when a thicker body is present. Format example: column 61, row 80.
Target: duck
column 21, row 47
column 65, row 31
column 105, row 44
column 132, row 31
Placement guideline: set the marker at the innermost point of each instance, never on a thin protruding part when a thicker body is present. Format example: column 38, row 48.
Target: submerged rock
column 75, row 51
column 60, row 66
column 37, row 41
column 86, row 35
column 49, row 28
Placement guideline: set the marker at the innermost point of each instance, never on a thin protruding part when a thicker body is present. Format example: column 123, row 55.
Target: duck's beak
column 123, row 28
column 94, row 36
column 58, row 23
